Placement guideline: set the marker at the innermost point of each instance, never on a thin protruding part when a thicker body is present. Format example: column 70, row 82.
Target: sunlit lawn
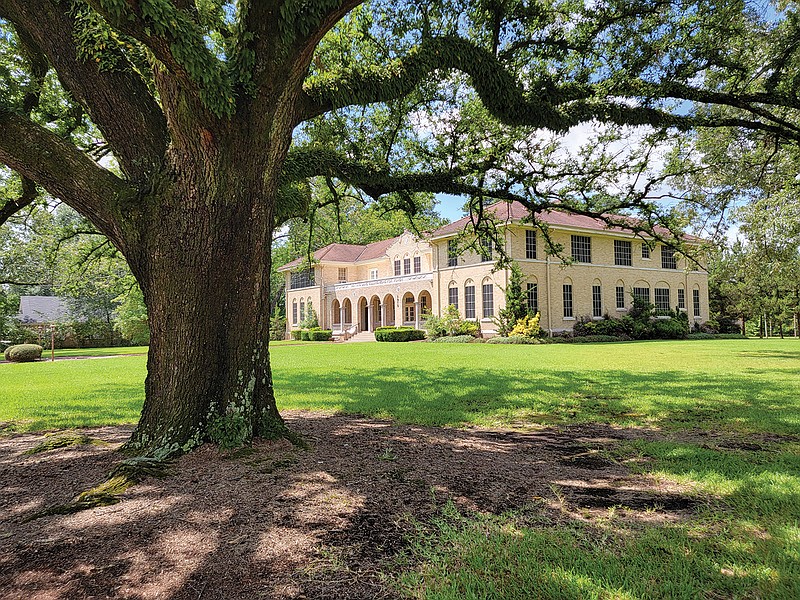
column 743, row 542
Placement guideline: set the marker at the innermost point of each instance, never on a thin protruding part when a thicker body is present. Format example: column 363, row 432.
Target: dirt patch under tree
column 276, row 521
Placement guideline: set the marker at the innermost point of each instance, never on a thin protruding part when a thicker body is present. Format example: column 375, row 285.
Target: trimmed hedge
column 304, row 335
column 716, row 336
column 398, row 334
column 454, row 339
column 296, row 333
column 320, row 335
column 513, row 339
column 23, row 353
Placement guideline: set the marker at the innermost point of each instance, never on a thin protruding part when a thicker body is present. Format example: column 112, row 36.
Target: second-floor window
column 406, row 266
column 622, row 253
column 668, row 260
column 645, row 251
column 417, row 264
column 486, row 249
column 397, row 272
column 582, row 248
column 373, row 273
column 530, row 243
column 342, row 275
column 301, row 279
column 452, row 253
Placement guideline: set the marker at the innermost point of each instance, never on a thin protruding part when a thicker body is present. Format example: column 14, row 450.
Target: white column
column 341, row 317
column 416, row 315
column 384, row 306
column 370, row 317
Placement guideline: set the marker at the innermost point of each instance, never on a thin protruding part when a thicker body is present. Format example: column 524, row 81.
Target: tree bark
column 201, row 253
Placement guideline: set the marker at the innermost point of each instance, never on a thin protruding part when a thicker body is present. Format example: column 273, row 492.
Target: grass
column 743, row 541
column 96, row 351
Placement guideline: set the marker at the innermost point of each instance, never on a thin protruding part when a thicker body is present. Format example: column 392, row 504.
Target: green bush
column 454, row 339
column 398, row 334
column 715, row 336
column 23, row 353
column 320, row 335
column 669, row 329
column 304, row 335
column 449, row 324
column 277, row 327
column 513, row 339
column 296, row 334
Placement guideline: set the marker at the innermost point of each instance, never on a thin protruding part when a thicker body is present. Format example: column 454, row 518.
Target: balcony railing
column 353, row 285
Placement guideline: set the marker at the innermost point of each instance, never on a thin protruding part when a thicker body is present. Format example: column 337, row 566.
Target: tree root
column 127, row 473
column 65, row 440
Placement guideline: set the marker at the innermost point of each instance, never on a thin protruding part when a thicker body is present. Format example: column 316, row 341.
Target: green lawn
column 743, row 541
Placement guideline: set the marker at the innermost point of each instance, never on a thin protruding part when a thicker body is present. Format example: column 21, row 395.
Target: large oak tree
column 214, row 115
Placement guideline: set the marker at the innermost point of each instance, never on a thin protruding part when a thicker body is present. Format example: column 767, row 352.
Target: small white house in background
column 42, row 310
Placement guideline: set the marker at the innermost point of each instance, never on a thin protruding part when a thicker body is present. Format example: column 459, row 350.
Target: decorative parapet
column 367, row 283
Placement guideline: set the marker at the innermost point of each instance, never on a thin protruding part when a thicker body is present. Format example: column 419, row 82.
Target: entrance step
column 364, row 336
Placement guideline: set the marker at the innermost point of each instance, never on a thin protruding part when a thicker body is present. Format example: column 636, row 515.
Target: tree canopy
column 187, row 130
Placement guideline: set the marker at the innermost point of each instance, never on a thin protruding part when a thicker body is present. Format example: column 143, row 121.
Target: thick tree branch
column 117, row 100
column 26, row 198
column 58, row 166
column 542, row 105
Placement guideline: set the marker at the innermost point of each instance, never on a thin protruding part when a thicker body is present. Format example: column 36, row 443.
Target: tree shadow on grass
column 456, row 396
column 278, row 522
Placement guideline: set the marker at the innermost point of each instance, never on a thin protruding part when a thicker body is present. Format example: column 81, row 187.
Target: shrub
column 277, row 327
column 320, row 335
column 304, row 335
column 527, row 326
column 669, row 329
column 715, row 336
column 512, row 339
column 398, row 334
column 23, row 353
column 296, row 334
column 449, row 324
column 454, row 339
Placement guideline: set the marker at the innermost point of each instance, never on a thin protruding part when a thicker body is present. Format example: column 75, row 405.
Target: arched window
column 681, row 298
column 532, row 295
column 641, row 289
column 661, row 297
column 619, row 295
column 294, row 312
column 696, row 302
column 469, row 299
column 597, row 299
column 302, row 310
column 487, row 298
column 406, row 265
column 452, row 294
column 397, row 271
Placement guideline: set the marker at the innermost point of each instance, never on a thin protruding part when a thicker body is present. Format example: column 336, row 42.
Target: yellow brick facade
column 374, row 295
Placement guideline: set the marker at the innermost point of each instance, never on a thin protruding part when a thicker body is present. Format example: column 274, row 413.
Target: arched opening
column 388, row 310
column 363, row 314
column 375, row 316
column 347, row 305
column 409, row 309
column 336, row 310
column 425, row 302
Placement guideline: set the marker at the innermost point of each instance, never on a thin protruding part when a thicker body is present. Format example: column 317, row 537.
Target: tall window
column 620, row 296
column 581, row 248
column 469, row 302
column 645, row 251
column 661, row 296
column 668, row 258
column 406, row 266
column 530, row 243
column 568, row 300
column 301, row 279
column 342, row 275
column 643, row 293
column 397, row 272
column 302, row 310
column 681, row 298
column 486, row 249
column 417, row 264
column 533, row 298
column 622, row 253
column 597, row 301
column 696, row 302
column 452, row 253
column 294, row 312
column 488, row 300
column 452, row 296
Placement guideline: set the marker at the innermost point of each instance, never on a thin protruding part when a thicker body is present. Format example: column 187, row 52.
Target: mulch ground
column 277, row 521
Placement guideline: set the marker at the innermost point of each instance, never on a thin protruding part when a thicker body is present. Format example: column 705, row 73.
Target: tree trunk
column 202, row 258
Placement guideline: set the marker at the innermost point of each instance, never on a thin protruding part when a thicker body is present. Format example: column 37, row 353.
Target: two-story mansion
column 394, row 281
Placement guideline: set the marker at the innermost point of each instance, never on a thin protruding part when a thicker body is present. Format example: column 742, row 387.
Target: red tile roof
column 346, row 253
column 516, row 211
